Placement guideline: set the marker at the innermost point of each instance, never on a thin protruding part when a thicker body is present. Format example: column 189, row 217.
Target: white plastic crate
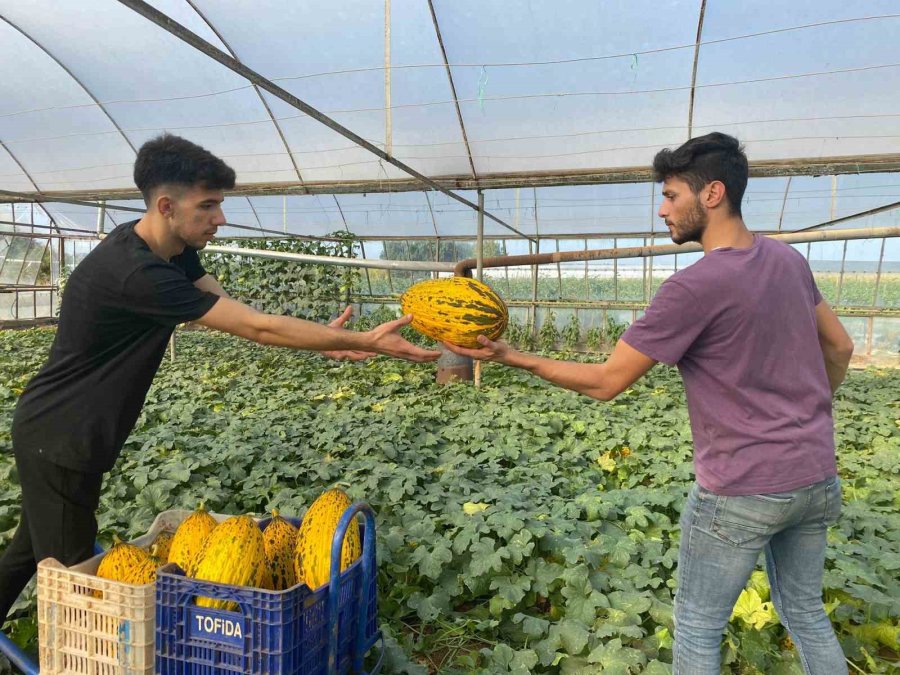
column 93, row 626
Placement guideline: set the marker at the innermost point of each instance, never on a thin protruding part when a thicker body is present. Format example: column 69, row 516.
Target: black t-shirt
column 119, row 309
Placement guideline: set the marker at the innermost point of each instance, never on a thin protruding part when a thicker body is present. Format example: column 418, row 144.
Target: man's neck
column 156, row 235
column 727, row 233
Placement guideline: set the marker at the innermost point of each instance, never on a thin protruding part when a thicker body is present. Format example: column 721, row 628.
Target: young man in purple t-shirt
column 760, row 353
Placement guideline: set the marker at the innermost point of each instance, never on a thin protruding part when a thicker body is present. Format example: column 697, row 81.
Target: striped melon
column 159, row 549
column 189, row 538
column 119, row 563
column 455, row 310
column 126, row 563
column 280, row 539
column 312, row 554
column 233, row 554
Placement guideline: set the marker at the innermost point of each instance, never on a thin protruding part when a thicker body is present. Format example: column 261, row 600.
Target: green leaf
column 513, row 588
column 614, row 658
column 573, row 635
column 532, row 626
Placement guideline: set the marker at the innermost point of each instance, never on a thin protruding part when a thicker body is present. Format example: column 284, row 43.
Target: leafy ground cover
column 521, row 528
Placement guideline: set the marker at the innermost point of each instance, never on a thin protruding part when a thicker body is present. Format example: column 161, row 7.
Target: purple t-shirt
column 740, row 325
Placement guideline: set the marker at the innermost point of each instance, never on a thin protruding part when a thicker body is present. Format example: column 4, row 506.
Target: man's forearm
column 836, row 364
column 286, row 331
column 585, row 378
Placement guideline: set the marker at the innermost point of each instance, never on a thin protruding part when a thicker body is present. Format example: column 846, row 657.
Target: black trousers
column 58, row 521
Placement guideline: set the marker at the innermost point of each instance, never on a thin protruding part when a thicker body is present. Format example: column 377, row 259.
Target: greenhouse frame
column 424, row 88
column 521, row 528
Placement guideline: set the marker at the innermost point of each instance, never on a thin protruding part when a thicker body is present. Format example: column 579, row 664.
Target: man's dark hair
column 172, row 160
column 701, row 160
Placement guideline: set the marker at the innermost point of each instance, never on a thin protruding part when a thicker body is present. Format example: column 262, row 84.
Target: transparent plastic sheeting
column 770, row 204
column 548, row 85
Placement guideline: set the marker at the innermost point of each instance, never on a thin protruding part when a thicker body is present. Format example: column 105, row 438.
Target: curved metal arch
column 77, row 81
column 255, row 214
column 30, row 180
column 262, row 100
column 459, row 117
column 694, row 70
column 255, row 88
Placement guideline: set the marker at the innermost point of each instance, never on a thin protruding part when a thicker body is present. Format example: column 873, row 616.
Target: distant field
column 855, row 289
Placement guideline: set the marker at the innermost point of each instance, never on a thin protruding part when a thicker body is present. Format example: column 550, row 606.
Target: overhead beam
column 462, row 126
column 171, row 26
column 262, row 100
column 773, row 168
column 465, row 267
column 367, row 263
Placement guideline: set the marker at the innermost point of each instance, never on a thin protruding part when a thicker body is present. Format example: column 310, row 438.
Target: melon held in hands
column 455, row 310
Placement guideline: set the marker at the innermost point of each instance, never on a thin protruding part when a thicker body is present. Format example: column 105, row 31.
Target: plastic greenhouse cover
column 549, row 85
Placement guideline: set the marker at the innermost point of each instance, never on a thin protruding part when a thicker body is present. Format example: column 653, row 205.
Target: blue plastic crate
column 292, row 632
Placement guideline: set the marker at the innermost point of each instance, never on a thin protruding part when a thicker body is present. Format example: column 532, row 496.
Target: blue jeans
column 721, row 538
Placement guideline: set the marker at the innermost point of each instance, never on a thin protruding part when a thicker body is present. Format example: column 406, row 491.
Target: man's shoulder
column 690, row 278
column 780, row 248
column 116, row 257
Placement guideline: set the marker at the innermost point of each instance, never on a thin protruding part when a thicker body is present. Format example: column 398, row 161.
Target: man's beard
column 692, row 227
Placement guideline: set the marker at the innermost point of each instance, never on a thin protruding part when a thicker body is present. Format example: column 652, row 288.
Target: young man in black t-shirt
column 120, row 307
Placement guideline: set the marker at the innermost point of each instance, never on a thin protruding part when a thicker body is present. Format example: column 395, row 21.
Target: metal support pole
column 479, row 241
column 534, row 290
column 587, row 279
column 388, row 117
column 389, row 275
column 645, row 294
column 878, row 274
column 437, row 255
column 506, row 269
column 841, row 275
column 870, row 330
column 101, row 216
column 534, row 267
column 649, row 263
column 172, row 347
column 479, row 271
column 362, row 249
column 615, row 272
column 559, row 288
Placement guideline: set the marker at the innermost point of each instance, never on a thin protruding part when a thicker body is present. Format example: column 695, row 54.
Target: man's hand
column 490, row 351
column 386, row 339
column 346, row 354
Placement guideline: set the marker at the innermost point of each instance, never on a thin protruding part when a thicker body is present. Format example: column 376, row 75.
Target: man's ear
column 715, row 194
column 164, row 205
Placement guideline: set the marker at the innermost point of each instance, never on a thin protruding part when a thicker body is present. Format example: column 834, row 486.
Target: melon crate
column 95, row 626
column 298, row 631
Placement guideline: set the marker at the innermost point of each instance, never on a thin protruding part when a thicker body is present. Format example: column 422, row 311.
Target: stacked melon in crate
column 209, row 593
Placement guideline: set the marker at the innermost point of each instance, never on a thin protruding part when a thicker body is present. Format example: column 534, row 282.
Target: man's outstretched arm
column 602, row 381
column 233, row 317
